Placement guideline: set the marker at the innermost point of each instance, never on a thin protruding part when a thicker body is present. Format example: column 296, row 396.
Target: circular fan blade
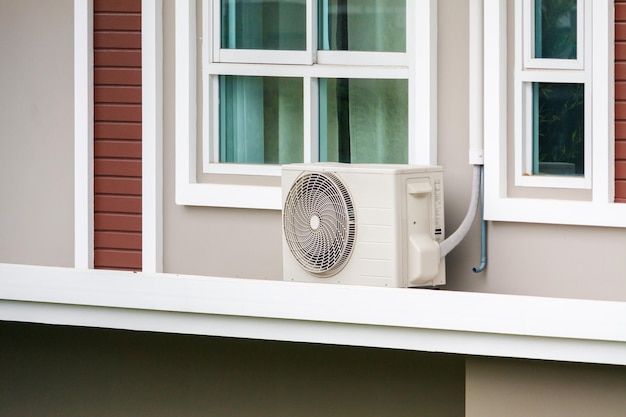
column 319, row 223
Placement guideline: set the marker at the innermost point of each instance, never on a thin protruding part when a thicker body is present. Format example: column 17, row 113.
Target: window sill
column 421, row 320
column 553, row 181
column 225, row 195
column 243, row 169
column 579, row 213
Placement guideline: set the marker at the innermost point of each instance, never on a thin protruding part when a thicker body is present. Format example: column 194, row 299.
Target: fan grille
column 319, row 223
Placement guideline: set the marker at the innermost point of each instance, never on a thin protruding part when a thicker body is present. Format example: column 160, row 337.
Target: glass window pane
column 364, row 120
column 272, row 25
column 558, row 129
column 555, row 29
column 261, row 120
column 362, row 25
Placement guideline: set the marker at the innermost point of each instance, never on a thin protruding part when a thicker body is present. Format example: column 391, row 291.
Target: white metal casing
column 399, row 224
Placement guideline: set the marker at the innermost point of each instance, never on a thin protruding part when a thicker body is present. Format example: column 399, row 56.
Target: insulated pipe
column 483, row 248
column 476, row 154
column 455, row 238
column 483, row 228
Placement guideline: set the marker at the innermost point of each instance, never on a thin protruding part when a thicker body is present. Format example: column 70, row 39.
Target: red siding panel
column 620, row 190
column 620, row 71
column 620, row 11
column 117, row 21
column 117, row 133
column 111, row 112
column 620, row 150
column 117, row 259
column 620, row 31
column 112, row 130
column 129, row 6
column 620, row 129
column 620, row 170
column 620, row 101
column 117, row 167
column 117, row 94
column 117, row 40
column 117, row 186
column 117, row 149
column 620, row 110
column 117, row 240
column 119, row 204
column 620, row 51
column 114, row 222
column 117, row 58
column 117, row 76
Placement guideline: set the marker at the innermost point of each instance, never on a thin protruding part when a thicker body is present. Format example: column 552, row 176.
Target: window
column 285, row 81
column 297, row 81
column 548, row 105
column 552, row 94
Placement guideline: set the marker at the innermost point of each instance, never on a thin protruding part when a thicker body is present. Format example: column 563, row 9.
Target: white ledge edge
column 422, row 320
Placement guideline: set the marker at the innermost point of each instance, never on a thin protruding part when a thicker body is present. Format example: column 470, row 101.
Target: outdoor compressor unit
column 363, row 224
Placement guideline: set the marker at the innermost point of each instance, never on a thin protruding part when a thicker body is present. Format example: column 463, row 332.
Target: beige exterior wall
column 206, row 240
column 37, row 132
column 527, row 259
column 58, row 371
column 516, row 388
column 61, row 371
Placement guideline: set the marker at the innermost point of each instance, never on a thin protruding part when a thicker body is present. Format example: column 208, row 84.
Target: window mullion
column 317, row 71
column 600, row 53
column 311, row 119
column 311, row 31
column 552, row 76
column 214, row 32
column 208, row 151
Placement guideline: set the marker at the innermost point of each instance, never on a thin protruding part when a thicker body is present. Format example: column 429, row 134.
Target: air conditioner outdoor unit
column 363, row 224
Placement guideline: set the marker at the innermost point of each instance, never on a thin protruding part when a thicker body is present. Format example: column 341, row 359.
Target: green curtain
column 362, row 25
column 271, row 25
column 363, row 120
column 261, row 120
column 378, row 121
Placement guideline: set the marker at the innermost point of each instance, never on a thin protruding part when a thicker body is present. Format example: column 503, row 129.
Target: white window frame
column 499, row 206
column 529, row 70
column 420, row 71
column 213, row 52
column 526, row 18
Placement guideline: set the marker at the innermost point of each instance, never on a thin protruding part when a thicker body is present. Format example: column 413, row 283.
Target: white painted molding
column 494, row 101
column 152, row 134
column 423, row 92
column 422, row 320
column 476, row 82
column 603, row 102
column 83, row 134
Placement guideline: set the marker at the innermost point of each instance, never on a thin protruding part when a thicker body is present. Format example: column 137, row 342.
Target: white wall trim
column 476, row 83
column 494, row 102
column 423, row 92
column 152, row 134
column 422, row 320
column 83, row 134
column 188, row 190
